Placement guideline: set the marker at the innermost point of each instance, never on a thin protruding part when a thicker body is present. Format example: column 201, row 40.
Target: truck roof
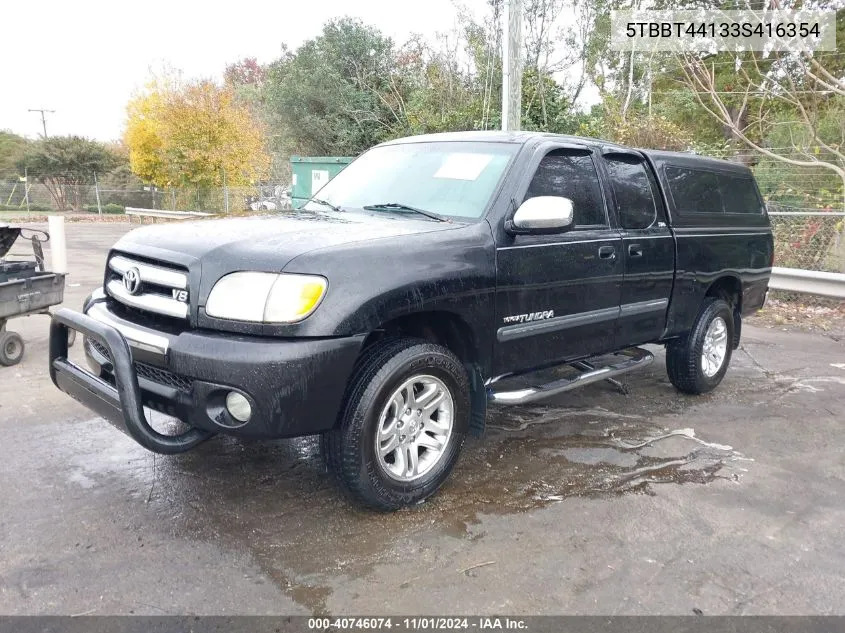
column 495, row 136
column 685, row 159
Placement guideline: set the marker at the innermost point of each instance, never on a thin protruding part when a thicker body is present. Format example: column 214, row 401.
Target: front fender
column 377, row 281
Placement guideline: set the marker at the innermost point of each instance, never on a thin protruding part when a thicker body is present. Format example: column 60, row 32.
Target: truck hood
column 265, row 243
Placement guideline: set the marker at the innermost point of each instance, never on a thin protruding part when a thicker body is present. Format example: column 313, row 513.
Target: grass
column 19, row 215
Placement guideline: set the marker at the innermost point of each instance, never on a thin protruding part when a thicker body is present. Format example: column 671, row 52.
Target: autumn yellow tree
column 194, row 134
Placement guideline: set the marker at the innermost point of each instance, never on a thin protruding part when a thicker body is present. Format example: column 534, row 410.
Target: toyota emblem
column 132, row 280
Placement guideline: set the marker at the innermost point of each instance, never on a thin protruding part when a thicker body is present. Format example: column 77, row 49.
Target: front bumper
column 294, row 386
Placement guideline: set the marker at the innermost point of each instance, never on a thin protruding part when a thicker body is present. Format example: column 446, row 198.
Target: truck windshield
column 449, row 178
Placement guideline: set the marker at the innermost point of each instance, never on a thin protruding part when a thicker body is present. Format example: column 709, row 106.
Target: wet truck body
column 389, row 311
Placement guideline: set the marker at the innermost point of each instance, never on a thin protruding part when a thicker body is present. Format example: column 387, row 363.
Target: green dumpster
column 310, row 173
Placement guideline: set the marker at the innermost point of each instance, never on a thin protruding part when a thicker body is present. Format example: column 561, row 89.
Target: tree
column 335, row 94
column 66, row 166
column 247, row 78
column 12, row 147
column 792, row 96
column 781, row 107
column 246, row 72
column 194, row 134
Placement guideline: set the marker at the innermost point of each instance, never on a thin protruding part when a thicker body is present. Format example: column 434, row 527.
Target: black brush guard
column 121, row 405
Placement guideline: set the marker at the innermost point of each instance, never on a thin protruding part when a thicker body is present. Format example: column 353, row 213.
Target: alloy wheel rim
column 715, row 347
column 414, row 428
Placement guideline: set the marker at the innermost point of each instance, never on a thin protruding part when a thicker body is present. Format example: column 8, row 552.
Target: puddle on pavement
column 276, row 500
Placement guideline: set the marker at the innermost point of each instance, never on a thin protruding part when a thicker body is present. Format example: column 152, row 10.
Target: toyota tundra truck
column 435, row 276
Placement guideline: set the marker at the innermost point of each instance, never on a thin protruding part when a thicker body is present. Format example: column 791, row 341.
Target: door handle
column 635, row 250
column 607, row 252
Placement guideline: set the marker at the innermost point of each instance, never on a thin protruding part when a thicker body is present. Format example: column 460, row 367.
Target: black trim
column 643, row 307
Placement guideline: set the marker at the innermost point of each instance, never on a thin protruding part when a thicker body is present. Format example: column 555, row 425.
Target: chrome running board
column 635, row 357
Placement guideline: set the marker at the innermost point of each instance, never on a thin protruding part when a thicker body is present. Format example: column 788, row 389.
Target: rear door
column 558, row 295
column 648, row 248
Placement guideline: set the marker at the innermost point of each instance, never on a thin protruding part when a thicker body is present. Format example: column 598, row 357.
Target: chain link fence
column 808, row 239
column 19, row 198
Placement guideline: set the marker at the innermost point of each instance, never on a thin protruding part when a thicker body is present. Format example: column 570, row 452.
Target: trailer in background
column 25, row 288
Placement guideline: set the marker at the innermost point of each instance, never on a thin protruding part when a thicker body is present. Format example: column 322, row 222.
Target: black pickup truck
column 434, row 275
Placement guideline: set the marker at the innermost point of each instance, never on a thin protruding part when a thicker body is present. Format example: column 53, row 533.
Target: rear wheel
column 11, row 348
column 697, row 363
column 402, row 425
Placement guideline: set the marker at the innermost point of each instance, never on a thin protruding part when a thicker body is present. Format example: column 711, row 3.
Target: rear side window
column 632, row 190
column 694, row 190
column 740, row 195
column 700, row 191
column 571, row 176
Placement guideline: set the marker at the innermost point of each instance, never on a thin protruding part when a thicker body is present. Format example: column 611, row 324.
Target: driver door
column 558, row 295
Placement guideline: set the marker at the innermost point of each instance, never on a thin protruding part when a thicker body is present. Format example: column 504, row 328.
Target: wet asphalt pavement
column 595, row 503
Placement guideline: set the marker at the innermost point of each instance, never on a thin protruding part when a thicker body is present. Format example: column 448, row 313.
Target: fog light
column 238, row 406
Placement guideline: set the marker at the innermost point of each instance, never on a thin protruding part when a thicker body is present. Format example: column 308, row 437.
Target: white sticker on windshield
column 463, row 166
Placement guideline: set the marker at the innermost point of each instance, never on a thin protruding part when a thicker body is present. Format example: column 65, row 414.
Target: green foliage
column 19, row 209
column 107, row 208
column 544, row 103
column 67, row 157
column 335, row 96
column 351, row 87
column 12, row 147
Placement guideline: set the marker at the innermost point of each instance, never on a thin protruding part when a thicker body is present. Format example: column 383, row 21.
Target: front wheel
column 402, row 424
column 697, row 363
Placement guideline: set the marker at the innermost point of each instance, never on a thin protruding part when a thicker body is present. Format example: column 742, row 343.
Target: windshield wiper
column 399, row 206
column 319, row 201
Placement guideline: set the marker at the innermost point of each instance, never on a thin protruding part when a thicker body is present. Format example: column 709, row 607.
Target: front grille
column 152, row 287
column 162, row 376
column 101, row 349
column 150, row 372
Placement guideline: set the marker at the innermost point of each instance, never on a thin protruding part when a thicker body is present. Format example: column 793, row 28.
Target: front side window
column 632, row 190
column 452, row 178
column 571, row 175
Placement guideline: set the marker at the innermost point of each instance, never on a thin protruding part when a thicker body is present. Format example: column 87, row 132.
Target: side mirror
column 543, row 214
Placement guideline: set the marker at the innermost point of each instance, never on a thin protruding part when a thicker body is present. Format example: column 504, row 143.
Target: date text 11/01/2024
column 418, row 623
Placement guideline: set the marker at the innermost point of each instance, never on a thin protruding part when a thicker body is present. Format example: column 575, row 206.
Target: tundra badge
column 531, row 316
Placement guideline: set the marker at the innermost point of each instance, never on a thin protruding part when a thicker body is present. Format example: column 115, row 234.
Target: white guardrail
column 163, row 213
column 810, row 282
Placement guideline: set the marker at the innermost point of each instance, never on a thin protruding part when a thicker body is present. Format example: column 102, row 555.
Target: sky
column 86, row 58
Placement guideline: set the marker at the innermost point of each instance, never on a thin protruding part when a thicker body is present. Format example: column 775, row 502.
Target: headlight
column 265, row 297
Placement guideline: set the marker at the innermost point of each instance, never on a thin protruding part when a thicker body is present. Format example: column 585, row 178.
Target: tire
column 686, row 365
column 11, row 348
column 386, row 370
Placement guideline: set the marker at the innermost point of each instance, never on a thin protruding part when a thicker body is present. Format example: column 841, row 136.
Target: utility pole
column 43, row 118
column 26, row 189
column 512, row 66
column 97, row 191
